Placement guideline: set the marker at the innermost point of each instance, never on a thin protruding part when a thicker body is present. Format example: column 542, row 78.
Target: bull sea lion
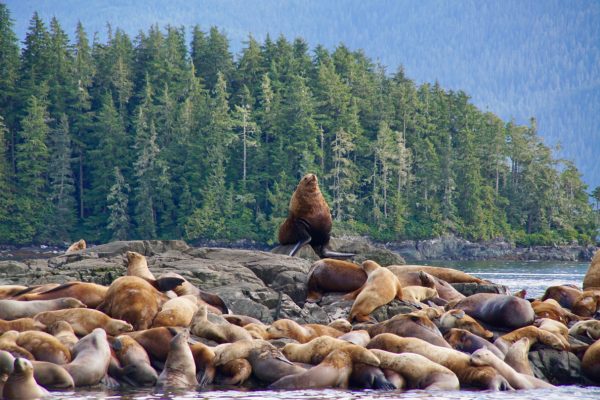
column 381, row 287
column 21, row 324
column 136, row 369
column 309, row 220
column 498, row 309
column 91, row 358
column 14, row 309
column 78, row 245
column 21, row 384
column 331, row 275
column 180, row 368
column 410, row 325
column 44, row 347
column 287, row 328
column 534, row 335
column 90, row 294
column 467, row 342
column 592, row 276
column 85, row 320
column 459, row 319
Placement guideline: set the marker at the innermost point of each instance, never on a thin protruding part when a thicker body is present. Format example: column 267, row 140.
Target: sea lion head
column 309, row 182
column 369, row 266
column 71, row 302
column 22, row 366
column 482, row 357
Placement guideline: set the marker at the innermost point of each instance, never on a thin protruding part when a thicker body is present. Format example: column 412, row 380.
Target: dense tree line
column 152, row 138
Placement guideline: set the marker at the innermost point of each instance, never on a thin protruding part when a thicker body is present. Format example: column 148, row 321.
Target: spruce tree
column 118, row 203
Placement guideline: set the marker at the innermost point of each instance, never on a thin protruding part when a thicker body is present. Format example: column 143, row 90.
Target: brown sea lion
column 587, row 304
column 483, row 357
column 177, row 312
column 457, row 362
column 287, row 328
column 90, row 294
column 7, row 291
column 50, row 375
column 369, row 377
column 44, row 347
column 8, row 343
column 78, row 245
column 235, row 372
column 419, row 372
column 556, row 327
column 592, row 276
column 331, row 275
column 14, row 309
column 258, row 331
column 534, row 334
column 467, row 342
column 410, row 325
column 180, row 368
column 136, row 369
column 589, row 328
column 566, row 295
column 220, row 333
column 309, row 220
column 590, row 363
column 317, row 349
column 449, row 275
column 21, row 384
column 137, row 265
column 459, row 319
column 551, row 309
column 21, row 324
column 445, row 290
column 204, row 358
column 517, row 356
column 381, row 287
column 64, row 332
column 85, row 320
column 155, row 341
column 91, row 358
column 498, row 309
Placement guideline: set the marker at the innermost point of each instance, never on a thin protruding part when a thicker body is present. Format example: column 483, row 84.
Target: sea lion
column 91, row 358
column 483, row 357
column 417, row 294
column 517, row 356
column 214, row 303
column 90, row 294
column 220, row 333
column 7, row 361
column 14, row 309
column 136, row 369
column 566, row 295
column 21, row 324
column 317, row 349
column 241, row 320
column 498, row 309
column 331, row 275
column 418, row 371
column 369, row 377
column 587, row 304
column 258, row 331
column 44, row 347
column 395, row 378
column 64, row 332
column 341, row 325
column 21, row 384
column 177, row 312
column 551, row 309
column 136, row 300
column 449, row 275
column 235, row 372
column 155, row 341
column 309, row 220
column 534, row 335
column 8, row 343
column 457, row 362
column 7, row 291
column 333, row 372
column 459, row 319
column 287, row 328
column 85, row 320
column 359, row 337
column 445, row 290
column 467, row 342
column 592, row 276
column 410, row 325
column 590, row 363
column 381, row 287
column 180, row 368
column 204, row 358
column 558, row 328
column 137, row 265
column 50, row 375
column 589, row 328
column 78, row 245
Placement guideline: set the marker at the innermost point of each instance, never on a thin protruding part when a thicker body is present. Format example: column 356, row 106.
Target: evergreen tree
column 117, row 203
column 9, row 67
column 6, row 195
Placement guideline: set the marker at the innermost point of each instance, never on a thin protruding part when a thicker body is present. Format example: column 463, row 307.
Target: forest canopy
column 149, row 137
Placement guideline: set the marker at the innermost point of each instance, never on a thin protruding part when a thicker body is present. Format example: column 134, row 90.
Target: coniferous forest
column 154, row 137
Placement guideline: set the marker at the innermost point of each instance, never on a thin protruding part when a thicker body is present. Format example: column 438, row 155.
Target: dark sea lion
column 155, row 341
column 498, row 309
column 7, row 362
column 90, row 294
column 566, row 295
column 136, row 368
column 180, row 368
column 369, row 377
column 331, row 275
column 44, row 347
column 14, row 309
column 467, row 342
column 91, row 358
column 21, row 384
column 410, row 325
column 85, row 320
column 309, row 220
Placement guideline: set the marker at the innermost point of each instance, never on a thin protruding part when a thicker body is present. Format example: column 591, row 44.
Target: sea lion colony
column 148, row 331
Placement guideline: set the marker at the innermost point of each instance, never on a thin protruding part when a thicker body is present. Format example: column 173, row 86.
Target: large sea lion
column 498, row 309
column 8, row 343
column 460, row 320
column 381, row 287
column 550, row 308
column 91, row 358
column 410, row 325
column 44, row 347
column 331, row 275
column 333, row 372
column 317, row 349
column 21, row 384
column 534, row 334
column 78, row 245
column 85, row 320
column 287, row 328
column 14, row 309
column 180, row 368
column 309, row 220
column 467, row 342
column 592, row 276
column 136, row 369
column 90, row 294
column 449, row 275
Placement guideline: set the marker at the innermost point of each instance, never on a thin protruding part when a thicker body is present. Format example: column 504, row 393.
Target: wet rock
column 471, row 288
column 557, row 367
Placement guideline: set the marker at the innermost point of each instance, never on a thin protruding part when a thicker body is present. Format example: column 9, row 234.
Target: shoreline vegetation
column 149, row 137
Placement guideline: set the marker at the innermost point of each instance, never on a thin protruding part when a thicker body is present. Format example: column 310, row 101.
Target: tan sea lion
column 177, row 312
column 419, row 372
column 21, row 324
column 556, row 327
column 467, row 342
column 309, row 220
column 341, row 325
column 589, row 328
column 445, row 291
column 64, row 332
column 587, row 304
column 44, row 347
column 418, row 294
column 457, row 362
column 483, row 357
column 137, row 265
column 331, row 275
column 590, row 363
column 90, row 294
column 220, row 333
column 459, row 319
column 534, row 334
column 317, row 349
column 204, row 358
column 235, row 372
column 21, row 384
column 50, row 375
column 155, row 341
column 14, row 309
column 8, row 343
column 359, row 337
column 410, row 325
column 381, row 287
column 552, row 310
column 333, row 372
column 136, row 367
column 498, row 309
column 78, row 245
column 287, row 328
column 592, row 276
column 517, row 356
column 214, row 303
column 449, row 275
column 7, row 291
column 91, row 358
column 258, row 331
column 566, row 295
column 85, row 320
column 180, row 368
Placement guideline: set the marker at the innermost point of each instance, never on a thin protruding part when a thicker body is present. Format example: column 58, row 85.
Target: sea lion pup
column 21, row 384
column 7, row 291
column 381, row 287
column 369, row 377
column 235, row 372
column 333, row 372
column 459, row 319
column 556, row 327
column 78, row 245
column 90, row 294
column 220, row 333
column 410, row 325
column 359, row 337
column 136, row 369
column 467, row 342
column 517, row 356
column 177, row 312
column 317, row 349
column 155, row 341
column 445, row 291
column 8, row 343
column 483, row 357
column 136, row 300
column 418, row 294
column 286, row 328
column 587, row 304
column 449, row 275
column 309, row 220
column 331, row 275
column 44, row 347
column 590, row 363
column 85, row 320
column 418, row 371
column 180, row 368
column 589, row 328
column 534, row 334
column 63, row 331
column 204, row 358
column 21, row 324
column 592, row 276
column 50, row 375
column 91, row 358
column 498, row 309
column 454, row 360
column 566, row 295
column 14, row 309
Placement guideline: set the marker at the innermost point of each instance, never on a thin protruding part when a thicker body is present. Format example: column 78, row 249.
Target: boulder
column 557, row 367
column 471, row 288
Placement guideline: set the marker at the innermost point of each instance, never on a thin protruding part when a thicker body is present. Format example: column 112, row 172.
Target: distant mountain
column 517, row 58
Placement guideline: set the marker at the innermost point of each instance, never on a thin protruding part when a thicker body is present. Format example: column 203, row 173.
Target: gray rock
column 471, row 288
column 366, row 250
column 557, row 367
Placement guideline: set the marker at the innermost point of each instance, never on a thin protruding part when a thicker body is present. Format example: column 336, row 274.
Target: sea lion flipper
column 299, row 245
column 328, row 253
column 166, row 283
